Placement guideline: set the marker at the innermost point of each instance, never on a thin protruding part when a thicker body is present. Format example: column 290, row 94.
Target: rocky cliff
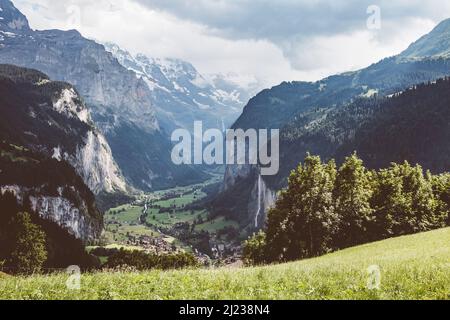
column 50, row 117
column 119, row 101
column 182, row 95
column 50, row 189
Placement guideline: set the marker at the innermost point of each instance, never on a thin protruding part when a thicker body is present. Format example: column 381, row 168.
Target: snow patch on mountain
column 183, row 95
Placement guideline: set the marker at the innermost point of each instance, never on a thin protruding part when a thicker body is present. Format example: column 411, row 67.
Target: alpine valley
column 85, row 144
column 86, row 127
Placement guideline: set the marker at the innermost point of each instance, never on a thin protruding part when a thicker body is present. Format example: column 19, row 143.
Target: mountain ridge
column 118, row 101
column 50, row 117
column 181, row 94
column 432, row 45
column 301, row 105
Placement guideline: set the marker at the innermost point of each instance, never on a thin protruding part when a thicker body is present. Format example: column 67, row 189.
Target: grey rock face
column 92, row 159
column 51, row 118
column 436, row 44
column 106, row 86
column 12, row 19
column 116, row 98
column 74, row 218
column 262, row 198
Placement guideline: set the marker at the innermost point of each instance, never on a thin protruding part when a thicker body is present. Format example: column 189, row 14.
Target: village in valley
column 172, row 221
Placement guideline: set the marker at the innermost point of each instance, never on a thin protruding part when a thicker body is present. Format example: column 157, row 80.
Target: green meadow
column 410, row 267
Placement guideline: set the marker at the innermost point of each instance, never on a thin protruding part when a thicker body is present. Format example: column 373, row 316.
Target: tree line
column 325, row 208
column 141, row 260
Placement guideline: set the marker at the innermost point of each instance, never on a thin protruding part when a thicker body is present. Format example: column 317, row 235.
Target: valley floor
column 164, row 221
column 411, row 267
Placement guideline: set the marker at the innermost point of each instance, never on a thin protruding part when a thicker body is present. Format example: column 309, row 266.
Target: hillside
column 412, row 267
column 334, row 115
column 57, row 200
column 412, row 125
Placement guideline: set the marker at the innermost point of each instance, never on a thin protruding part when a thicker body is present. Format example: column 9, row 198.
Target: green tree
column 254, row 251
column 441, row 191
column 352, row 194
column 323, row 209
column 29, row 252
column 404, row 201
column 304, row 221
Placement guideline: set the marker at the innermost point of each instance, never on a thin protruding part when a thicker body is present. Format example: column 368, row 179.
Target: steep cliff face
column 120, row 103
column 11, row 18
column 50, row 189
column 94, row 162
column 51, row 118
column 106, row 86
column 261, row 199
column 73, row 218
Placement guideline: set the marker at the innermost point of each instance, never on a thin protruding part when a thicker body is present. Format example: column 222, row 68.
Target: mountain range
column 82, row 121
column 335, row 114
column 134, row 103
column 182, row 95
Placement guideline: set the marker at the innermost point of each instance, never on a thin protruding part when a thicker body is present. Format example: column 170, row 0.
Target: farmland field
column 155, row 215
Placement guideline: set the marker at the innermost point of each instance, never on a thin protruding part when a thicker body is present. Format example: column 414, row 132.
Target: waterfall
column 145, row 207
column 258, row 212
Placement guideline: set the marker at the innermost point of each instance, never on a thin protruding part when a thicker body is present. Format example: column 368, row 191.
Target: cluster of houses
column 151, row 244
column 227, row 254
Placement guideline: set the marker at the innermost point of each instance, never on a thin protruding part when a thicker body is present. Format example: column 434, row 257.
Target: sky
column 253, row 42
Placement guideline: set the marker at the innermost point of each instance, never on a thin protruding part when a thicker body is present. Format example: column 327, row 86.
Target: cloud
column 270, row 41
column 301, row 28
column 281, row 19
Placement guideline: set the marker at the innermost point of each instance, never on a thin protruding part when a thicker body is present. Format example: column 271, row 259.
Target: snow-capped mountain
column 120, row 103
column 181, row 95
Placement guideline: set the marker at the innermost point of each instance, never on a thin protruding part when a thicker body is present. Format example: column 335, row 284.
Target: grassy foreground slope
column 412, row 267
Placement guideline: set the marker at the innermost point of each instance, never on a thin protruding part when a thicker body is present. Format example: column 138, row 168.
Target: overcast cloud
column 253, row 40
